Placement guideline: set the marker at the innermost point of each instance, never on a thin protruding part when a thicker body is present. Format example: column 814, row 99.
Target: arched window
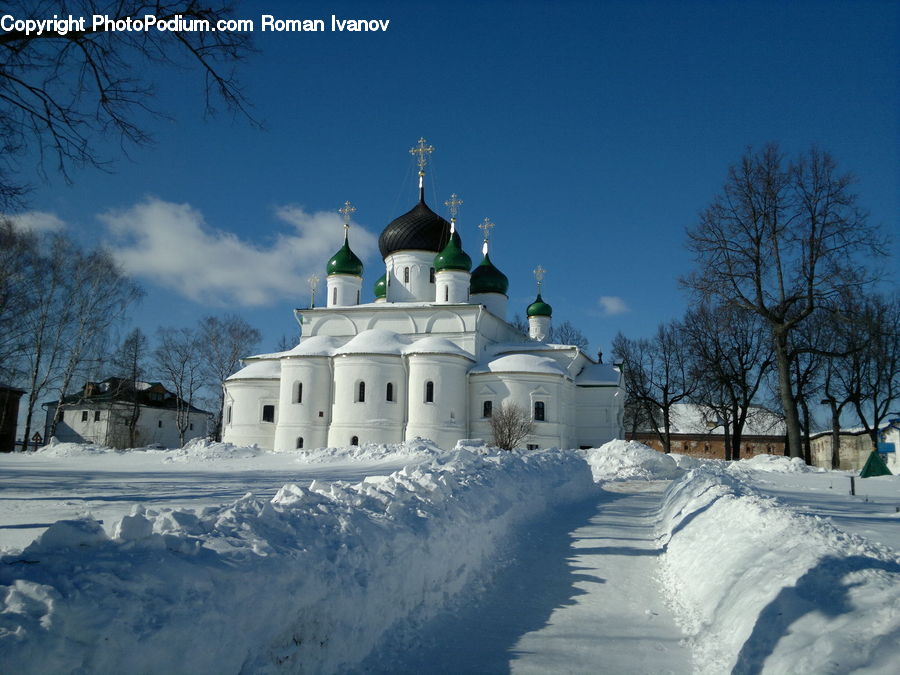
column 361, row 393
column 334, row 295
column 390, row 391
column 446, row 294
column 487, row 409
column 354, row 440
column 429, row 392
column 298, row 392
column 228, row 415
column 539, row 411
column 357, row 297
column 299, row 442
column 431, row 276
column 405, row 275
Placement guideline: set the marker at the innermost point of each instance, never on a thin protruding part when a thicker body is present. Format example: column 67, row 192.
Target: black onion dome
column 419, row 229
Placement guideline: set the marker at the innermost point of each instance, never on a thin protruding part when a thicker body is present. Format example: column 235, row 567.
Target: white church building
column 433, row 356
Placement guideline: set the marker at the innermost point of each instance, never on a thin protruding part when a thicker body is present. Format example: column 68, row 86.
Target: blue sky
column 591, row 133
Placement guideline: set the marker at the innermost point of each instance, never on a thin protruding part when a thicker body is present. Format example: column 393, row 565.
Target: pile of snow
column 418, row 448
column 310, row 580
column 624, row 460
column 687, row 462
column 760, row 586
column 205, row 450
column 56, row 449
column 774, row 463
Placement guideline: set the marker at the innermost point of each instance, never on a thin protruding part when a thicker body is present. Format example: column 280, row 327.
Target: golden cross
column 486, row 227
column 422, row 150
column 539, row 273
column 346, row 211
column 453, row 205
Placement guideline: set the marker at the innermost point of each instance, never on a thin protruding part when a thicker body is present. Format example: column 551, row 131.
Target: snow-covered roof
column 520, row 363
column 691, row 418
column 598, row 375
column 258, row 370
column 528, row 346
column 436, row 345
column 375, row 341
column 316, row 345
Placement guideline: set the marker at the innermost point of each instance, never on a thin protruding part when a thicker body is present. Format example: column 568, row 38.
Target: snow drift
column 310, row 580
column 759, row 586
column 624, row 460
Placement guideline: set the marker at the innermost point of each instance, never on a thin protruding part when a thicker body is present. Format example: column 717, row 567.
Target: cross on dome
column 346, row 211
column 486, row 228
column 452, row 205
column 539, row 273
column 423, row 151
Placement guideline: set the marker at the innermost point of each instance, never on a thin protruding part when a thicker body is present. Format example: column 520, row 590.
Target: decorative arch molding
column 456, row 324
column 337, row 326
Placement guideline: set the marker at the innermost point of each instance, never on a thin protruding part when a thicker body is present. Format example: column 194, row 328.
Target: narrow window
column 96, row 415
column 299, row 442
column 192, row 426
column 534, row 446
column 298, row 392
column 268, row 413
column 429, row 392
column 159, row 423
column 357, row 297
column 431, row 276
column 390, row 391
column 84, row 415
column 539, row 411
column 487, row 409
column 228, row 415
column 446, row 294
column 354, row 440
column 334, row 295
column 321, row 413
column 405, row 275
column 361, row 394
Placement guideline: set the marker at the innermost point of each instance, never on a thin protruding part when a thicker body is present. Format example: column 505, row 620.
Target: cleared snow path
column 580, row 597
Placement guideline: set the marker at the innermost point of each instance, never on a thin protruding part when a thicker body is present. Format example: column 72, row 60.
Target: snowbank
column 372, row 452
column 761, row 586
column 310, row 580
column 622, row 460
column 775, row 464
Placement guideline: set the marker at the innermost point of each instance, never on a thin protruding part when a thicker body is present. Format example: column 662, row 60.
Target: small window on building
column 431, row 276
column 487, row 409
column 159, row 424
column 405, row 275
column 357, row 297
column 446, row 294
column 96, row 415
column 539, row 411
column 298, row 392
column 334, row 295
column 361, row 393
column 84, row 415
column 354, row 440
column 268, row 413
column 191, row 426
column 321, row 413
column 228, row 415
column 429, row 392
column 299, row 442
column 533, row 446
column 389, row 395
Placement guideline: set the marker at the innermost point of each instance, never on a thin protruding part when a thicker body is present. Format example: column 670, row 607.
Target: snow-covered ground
column 409, row 559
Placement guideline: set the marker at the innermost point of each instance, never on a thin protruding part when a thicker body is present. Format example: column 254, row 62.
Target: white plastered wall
column 419, row 287
column 444, row 420
column 343, row 290
column 598, row 414
column 246, row 399
column 495, row 303
column 308, row 418
column 375, row 420
column 452, row 286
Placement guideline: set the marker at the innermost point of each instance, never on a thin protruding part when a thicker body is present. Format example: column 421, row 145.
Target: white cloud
column 171, row 245
column 37, row 221
column 611, row 305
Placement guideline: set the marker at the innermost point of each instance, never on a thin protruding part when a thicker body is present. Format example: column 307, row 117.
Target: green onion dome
column 381, row 286
column 345, row 261
column 453, row 257
column 488, row 279
column 539, row 308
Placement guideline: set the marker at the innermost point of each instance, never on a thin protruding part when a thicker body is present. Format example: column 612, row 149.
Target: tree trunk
column 788, row 403
column 835, row 435
column 807, row 445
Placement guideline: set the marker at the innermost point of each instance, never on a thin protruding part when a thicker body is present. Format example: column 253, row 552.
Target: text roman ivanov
column 336, row 24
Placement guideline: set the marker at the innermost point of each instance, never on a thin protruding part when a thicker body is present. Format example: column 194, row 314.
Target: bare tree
column 178, row 360
column 224, row 342
column 732, row 354
column 657, row 375
column 782, row 239
column 129, row 364
column 19, row 263
column 510, row 425
column 519, row 324
column 59, row 94
column 567, row 334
